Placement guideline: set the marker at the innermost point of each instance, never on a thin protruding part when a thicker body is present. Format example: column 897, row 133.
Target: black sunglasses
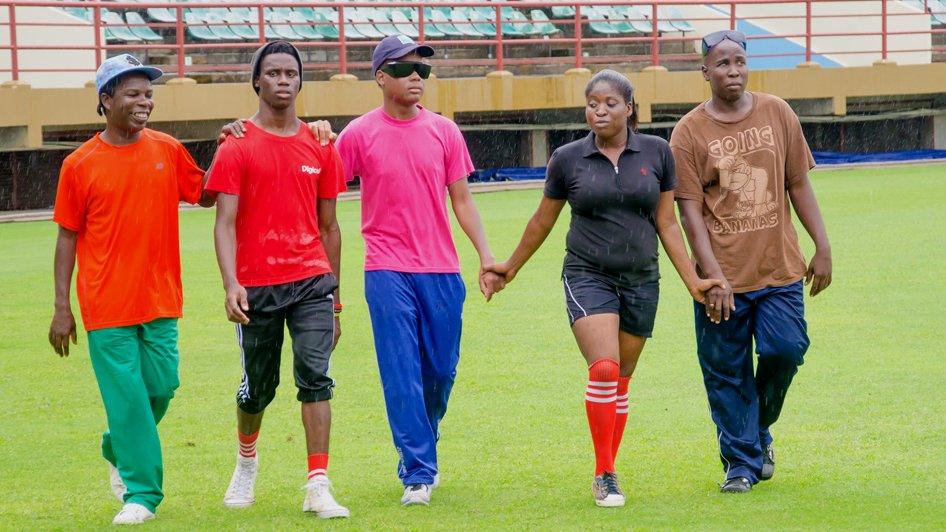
column 717, row 37
column 402, row 69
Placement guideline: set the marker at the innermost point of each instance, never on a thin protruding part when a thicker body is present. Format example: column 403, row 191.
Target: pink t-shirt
column 405, row 167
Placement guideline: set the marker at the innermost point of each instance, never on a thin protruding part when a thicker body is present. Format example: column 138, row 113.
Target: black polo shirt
column 613, row 208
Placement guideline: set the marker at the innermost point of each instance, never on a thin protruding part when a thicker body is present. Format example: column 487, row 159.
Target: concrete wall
column 65, row 58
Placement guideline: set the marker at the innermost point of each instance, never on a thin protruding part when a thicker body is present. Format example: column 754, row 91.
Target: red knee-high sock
column 600, row 405
column 620, row 418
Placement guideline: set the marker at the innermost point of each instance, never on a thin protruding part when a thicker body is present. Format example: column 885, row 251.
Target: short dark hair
column 619, row 83
column 109, row 90
column 277, row 47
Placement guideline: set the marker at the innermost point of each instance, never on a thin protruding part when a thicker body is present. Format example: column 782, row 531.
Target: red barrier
column 577, row 43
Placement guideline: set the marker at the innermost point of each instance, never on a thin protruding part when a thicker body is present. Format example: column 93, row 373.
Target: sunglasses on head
column 402, row 69
column 717, row 37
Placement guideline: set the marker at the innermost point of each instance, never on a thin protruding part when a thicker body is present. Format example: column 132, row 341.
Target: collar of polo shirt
column 590, row 148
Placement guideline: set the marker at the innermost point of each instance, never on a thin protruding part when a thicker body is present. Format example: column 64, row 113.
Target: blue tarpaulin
column 833, row 157
column 821, row 157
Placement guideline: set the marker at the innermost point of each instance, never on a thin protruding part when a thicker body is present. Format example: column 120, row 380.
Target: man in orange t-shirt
column 117, row 210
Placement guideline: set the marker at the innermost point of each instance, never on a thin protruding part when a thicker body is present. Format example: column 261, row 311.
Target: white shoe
column 240, row 494
column 132, row 514
column 416, row 494
column 436, row 483
column 115, row 480
column 318, row 499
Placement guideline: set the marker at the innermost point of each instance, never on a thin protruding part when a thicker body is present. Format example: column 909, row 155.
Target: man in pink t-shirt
column 409, row 159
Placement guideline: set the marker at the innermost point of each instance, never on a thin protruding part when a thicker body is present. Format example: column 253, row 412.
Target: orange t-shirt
column 123, row 203
column 740, row 172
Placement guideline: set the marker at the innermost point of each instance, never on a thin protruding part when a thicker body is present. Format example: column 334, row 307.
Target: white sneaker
column 132, row 514
column 436, row 483
column 318, row 499
column 115, row 480
column 416, row 494
column 240, row 494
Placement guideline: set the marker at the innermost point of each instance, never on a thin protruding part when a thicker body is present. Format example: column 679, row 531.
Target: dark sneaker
column 768, row 463
column 736, row 485
column 606, row 490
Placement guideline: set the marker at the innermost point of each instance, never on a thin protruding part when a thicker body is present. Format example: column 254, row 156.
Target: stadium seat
column 519, row 22
column 280, row 28
column 381, row 18
column 638, row 13
column 139, row 27
column 320, row 24
column 462, row 23
column 430, row 31
column 161, row 14
column 301, row 26
column 404, row 25
column 251, row 17
column 362, row 24
column 675, row 17
column 598, row 22
column 541, row 22
column 219, row 26
column 440, row 21
column 236, row 24
column 116, row 26
column 563, row 11
column 638, row 20
column 197, row 29
column 481, row 22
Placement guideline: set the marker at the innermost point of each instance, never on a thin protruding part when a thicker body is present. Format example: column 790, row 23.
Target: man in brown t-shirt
column 740, row 157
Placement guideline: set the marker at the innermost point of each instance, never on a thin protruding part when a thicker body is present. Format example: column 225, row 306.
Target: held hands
column 321, row 129
column 61, row 330
column 819, row 272
column 236, row 304
column 494, row 277
column 718, row 297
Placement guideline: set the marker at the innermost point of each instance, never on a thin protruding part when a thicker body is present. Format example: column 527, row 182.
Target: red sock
column 620, row 418
column 318, row 464
column 247, row 444
column 600, row 406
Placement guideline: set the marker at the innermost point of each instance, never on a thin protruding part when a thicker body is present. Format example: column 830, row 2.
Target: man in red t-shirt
column 278, row 244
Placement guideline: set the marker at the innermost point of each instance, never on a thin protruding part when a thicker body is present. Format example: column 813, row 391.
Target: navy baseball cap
column 396, row 46
column 119, row 65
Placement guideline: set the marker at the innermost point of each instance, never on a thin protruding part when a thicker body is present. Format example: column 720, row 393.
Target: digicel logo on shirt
column 311, row 170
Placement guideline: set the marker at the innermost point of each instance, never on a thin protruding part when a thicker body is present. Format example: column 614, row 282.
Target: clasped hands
column 493, row 277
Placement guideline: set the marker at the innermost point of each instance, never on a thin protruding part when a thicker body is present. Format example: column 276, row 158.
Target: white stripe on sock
column 599, row 399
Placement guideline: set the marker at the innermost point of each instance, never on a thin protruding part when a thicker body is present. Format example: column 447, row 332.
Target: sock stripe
column 599, row 399
column 607, row 384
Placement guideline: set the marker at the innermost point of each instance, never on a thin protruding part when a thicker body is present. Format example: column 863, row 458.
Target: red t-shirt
column 279, row 181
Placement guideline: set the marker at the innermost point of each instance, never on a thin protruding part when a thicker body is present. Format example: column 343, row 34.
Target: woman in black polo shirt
column 619, row 184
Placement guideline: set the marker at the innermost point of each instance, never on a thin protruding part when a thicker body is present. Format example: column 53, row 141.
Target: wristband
column 337, row 309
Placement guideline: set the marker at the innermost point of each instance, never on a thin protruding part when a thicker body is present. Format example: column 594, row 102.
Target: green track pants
column 136, row 368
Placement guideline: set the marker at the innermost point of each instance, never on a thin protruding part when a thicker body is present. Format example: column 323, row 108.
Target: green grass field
column 861, row 443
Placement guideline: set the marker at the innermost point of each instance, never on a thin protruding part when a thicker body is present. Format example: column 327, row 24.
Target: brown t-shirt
column 740, row 171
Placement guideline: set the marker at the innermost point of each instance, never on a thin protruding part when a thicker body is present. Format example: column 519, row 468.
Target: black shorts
column 306, row 308
column 635, row 305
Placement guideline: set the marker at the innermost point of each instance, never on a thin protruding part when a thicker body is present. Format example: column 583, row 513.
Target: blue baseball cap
column 395, row 46
column 119, row 65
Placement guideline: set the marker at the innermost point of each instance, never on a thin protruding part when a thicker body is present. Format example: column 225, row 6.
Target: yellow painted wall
column 35, row 109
